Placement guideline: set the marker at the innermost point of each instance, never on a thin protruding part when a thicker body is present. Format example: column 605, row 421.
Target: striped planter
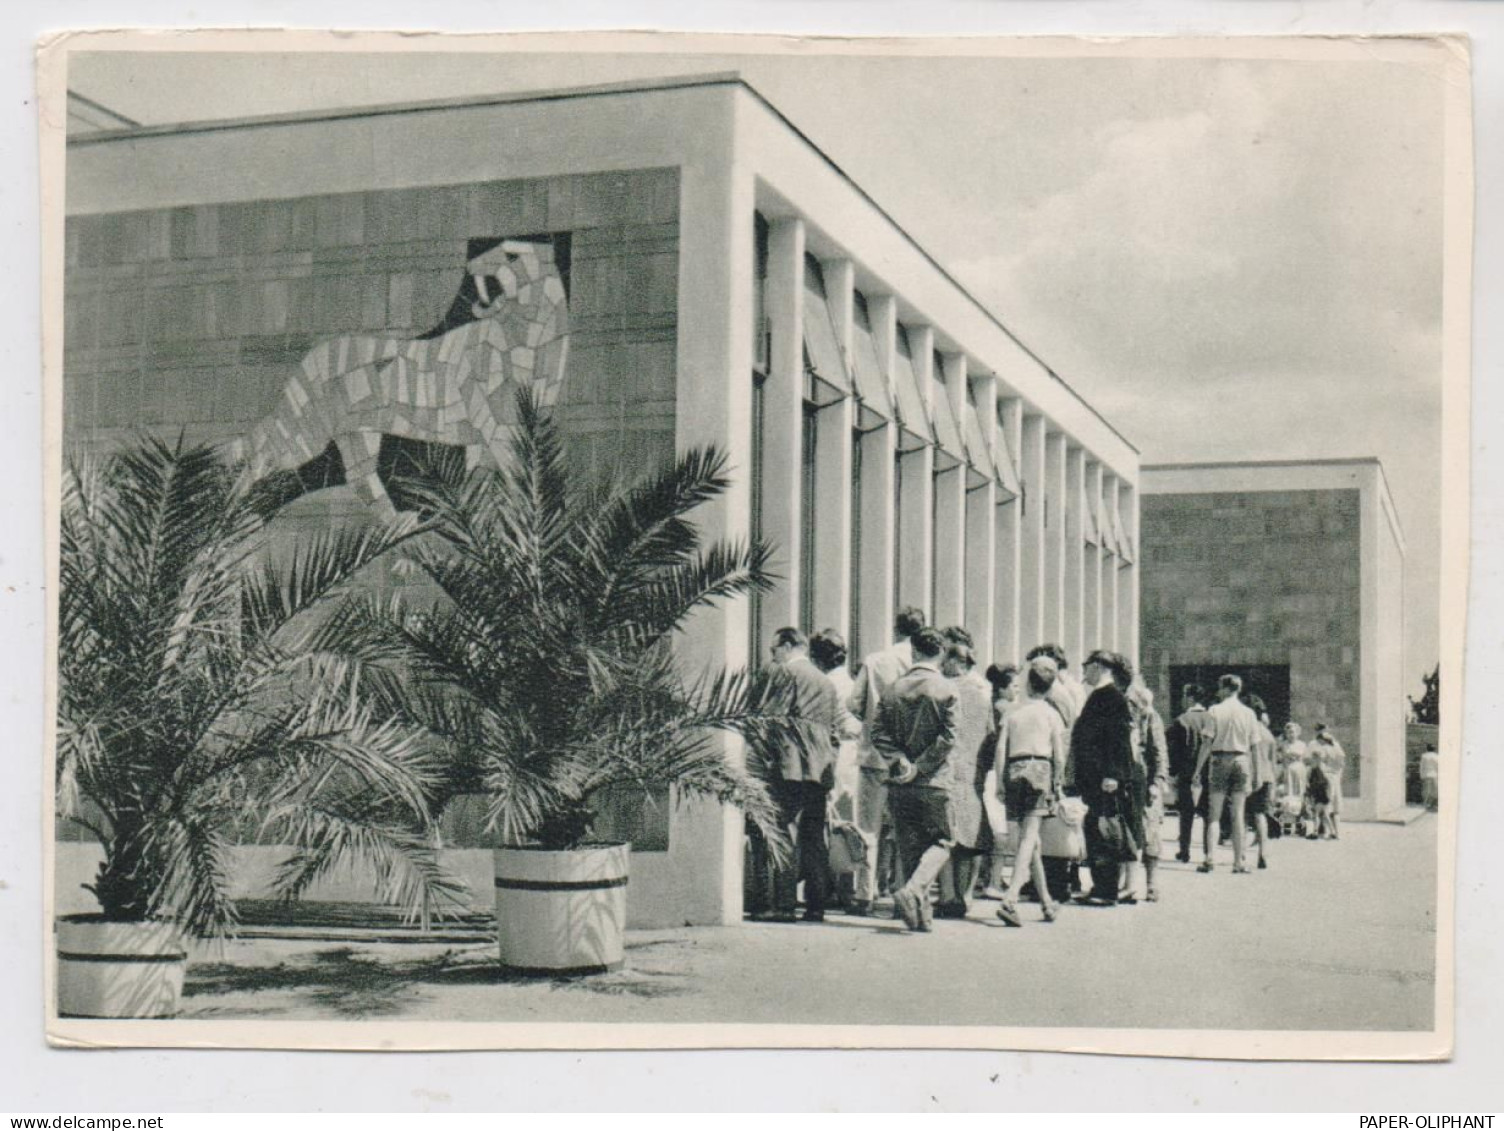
column 561, row 912
column 107, row 969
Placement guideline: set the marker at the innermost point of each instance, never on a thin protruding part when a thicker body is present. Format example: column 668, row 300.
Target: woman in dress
column 1292, row 761
column 1151, row 775
column 827, row 650
column 1003, row 678
column 1334, row 762
column 970, row 761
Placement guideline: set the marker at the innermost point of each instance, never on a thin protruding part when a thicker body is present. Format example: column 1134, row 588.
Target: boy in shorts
column 1031, row 757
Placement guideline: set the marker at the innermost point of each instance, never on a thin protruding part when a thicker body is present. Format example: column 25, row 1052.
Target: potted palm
column 544, row 664
column 203, row 701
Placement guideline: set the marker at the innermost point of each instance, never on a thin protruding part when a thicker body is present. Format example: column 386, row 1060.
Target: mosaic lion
column 507, row 328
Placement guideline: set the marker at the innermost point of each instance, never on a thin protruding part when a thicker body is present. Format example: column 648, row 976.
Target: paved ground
column 1333, row 936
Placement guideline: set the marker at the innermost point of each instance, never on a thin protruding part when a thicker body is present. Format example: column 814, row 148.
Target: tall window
column 760, row 336
column 854, row 645
column 897, row 529
column 760, row 362
column 755, row 643
column 934, row 540
column 807, row 516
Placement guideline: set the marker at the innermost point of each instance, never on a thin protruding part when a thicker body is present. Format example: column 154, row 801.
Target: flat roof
column 1386, row 495
column 676, row 82
column 1263, row 463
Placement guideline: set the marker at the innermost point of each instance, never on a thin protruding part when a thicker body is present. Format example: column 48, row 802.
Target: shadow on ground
column 351, row 983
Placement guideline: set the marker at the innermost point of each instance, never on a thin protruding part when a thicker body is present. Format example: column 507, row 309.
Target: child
column 1318, row 798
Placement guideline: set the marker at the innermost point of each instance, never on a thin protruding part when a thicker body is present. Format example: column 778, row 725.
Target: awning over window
column 1107, row 541
column 977, row 453
column 871, row 381
column 912, row 413
column 1089, row 530
column 1125, row 545
column 1007, row 469
column 947, row 428
column 822, row 349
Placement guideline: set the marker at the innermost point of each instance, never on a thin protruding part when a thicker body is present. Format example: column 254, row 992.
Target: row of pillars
column 1014, row 571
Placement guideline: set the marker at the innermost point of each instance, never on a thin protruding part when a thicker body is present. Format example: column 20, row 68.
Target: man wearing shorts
column 1234, row 730
column 1031, row 760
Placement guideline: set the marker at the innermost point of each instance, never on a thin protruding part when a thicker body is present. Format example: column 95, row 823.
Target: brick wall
column 192, row 318
column 1268, row 577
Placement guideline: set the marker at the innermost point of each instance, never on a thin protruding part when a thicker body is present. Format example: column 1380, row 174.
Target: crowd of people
column 923, row 777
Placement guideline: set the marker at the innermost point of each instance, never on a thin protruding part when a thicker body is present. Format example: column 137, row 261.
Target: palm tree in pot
column 202, row 701
column 545, row 665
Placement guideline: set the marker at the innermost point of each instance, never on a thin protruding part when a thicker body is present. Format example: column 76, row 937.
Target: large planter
column 109, row 969
column 561, row 912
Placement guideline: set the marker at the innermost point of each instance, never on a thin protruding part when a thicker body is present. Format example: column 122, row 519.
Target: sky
column 1230, row 259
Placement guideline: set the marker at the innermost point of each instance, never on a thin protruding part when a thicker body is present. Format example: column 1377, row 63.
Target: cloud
column 1230, row 239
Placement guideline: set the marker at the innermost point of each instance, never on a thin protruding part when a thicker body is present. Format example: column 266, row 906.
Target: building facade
column 1291, row 575
column 675, row 264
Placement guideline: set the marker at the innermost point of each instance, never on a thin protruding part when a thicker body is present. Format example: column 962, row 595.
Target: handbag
column 1062, row 834
column 847, row 850
column 1117, row 840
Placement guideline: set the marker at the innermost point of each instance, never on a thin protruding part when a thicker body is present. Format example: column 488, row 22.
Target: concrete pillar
column 835, row 576
column 1032, row 622
column 1074, row 636
column 832, row 529
column 699, row 879
column 1009, row 574
column 1054, row 517
column 1110, row 564
column 1095, row 555
column 950, row 489
column 980, row 603
column 783, row 421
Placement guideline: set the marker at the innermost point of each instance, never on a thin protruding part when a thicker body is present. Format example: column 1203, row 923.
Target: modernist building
column 1291, row 575
column 678, row 265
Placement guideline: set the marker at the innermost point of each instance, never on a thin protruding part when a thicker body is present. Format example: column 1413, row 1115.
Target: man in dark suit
column 1102, row 754
column 807, row 771
column 915, row 734
column 1189, row 741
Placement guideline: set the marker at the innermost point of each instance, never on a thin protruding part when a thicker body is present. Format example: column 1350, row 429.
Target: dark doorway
column 1270, row 682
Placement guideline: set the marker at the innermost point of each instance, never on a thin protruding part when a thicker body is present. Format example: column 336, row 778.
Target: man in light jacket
column 915, row 736
column 807, row 772
column 879, row 672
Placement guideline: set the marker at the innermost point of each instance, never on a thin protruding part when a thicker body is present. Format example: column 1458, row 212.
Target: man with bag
column 1102, row 753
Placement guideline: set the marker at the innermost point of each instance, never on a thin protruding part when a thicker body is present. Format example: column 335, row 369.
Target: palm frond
column 327, row 837
column 647, row 528
column 292, row 581
column 185, row 701
column 193, row 855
